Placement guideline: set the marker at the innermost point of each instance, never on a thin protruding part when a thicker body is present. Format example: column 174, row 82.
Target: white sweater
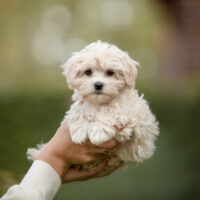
column 40, row 183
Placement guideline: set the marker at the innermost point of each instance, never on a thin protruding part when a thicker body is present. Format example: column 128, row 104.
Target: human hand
column 81, row 174
column 75, row 173
column 61, row 153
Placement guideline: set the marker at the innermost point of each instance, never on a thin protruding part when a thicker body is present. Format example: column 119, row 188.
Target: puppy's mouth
column 98, row 92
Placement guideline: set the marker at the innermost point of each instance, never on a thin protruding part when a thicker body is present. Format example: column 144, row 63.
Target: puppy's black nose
column 98, row 85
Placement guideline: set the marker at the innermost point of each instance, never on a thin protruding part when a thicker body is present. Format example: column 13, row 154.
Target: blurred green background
column 36, row 37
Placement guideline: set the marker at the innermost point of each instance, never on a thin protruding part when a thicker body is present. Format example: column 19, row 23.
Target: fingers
column 107, row 149
column 110, row 144
column 92, row 158
column 75, row 174
column 113, row 145
column 99, row 150
column 119, row 145
column 87, row 174
column 102, row 149
column 107, row 171
column 97, row 169
column 81, row 174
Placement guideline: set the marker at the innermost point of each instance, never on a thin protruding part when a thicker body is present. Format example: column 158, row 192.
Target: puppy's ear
column 130, row 71
column 70, row 70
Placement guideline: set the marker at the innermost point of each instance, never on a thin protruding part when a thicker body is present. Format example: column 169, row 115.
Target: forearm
column 41, row 182
column 55, row 161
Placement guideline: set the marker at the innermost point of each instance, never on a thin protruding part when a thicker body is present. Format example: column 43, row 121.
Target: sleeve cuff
column 42, row 177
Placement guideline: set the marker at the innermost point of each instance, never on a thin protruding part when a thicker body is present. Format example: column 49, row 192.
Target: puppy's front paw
column 122, row 122
column 78, row 134
column 125, row 134
column 99, row 133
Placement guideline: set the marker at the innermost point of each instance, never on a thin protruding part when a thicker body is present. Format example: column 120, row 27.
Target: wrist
column 58, row 164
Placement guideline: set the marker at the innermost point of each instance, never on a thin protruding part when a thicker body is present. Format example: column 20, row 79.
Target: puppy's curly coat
column 105, row 101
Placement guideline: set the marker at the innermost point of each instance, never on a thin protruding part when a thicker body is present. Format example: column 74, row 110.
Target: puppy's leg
column 145, row 131
column 99, row 133
column 33, row 153
column 124, row 134
column 144, row 143
column 124, row 128
column 78, row 132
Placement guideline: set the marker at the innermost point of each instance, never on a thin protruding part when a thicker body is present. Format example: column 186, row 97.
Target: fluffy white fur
column 96, row 115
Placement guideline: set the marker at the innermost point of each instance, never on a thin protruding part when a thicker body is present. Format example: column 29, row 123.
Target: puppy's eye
column 109, row 72
column 88, row 72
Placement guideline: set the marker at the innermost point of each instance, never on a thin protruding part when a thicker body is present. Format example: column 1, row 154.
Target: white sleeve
column 40, row 183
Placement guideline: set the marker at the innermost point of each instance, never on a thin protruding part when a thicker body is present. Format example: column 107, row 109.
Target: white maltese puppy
column 105, row 101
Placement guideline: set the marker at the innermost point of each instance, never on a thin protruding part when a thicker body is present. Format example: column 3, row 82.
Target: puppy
column 105, row 101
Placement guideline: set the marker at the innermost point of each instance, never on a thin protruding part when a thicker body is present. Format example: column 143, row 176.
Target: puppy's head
column 100, row 72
